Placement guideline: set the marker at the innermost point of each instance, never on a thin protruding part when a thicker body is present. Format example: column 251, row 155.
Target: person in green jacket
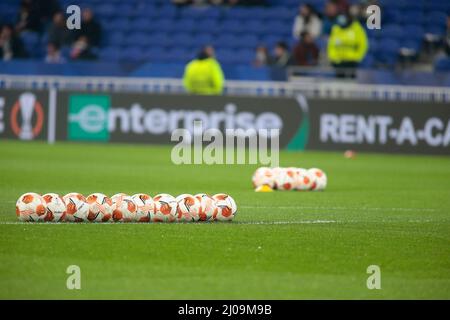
column 204, row 75
column 347, row 46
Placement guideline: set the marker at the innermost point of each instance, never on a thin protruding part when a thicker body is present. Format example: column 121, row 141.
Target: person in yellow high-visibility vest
column 204, row 75
column 347, row 45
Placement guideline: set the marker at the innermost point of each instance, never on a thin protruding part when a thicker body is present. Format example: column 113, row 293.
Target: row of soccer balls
column 97, row 207
column 290, row 178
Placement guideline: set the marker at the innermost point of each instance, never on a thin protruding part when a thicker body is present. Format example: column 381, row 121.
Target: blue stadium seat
column 141, row 39
column 126, row 10
column 388, row 51
column 202, row 39
column 116, row 38
column 31, row 41
column 183, row 39
column 132, row 54
column 140, row 24
column 231, row 25
column 227, row 56
column 184, row 25
column 191, row 12
column 162, row 25
column 206, row 25
column 179, row 55
column 393, row 31
column 411, row 44
column 251, row 73
column 442, row 64
column 413, row 31
column 225, row 40
column 160, row 40
column 121, row 24
column 245, row 56
column 107, row 10
column 247, row 41
column 368, row 61
column 156, row 54
column 437, row 18
column 110, row 53
column 255, row 27
column 411, row 16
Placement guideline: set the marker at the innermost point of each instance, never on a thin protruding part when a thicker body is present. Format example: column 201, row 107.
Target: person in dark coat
column 11, row 46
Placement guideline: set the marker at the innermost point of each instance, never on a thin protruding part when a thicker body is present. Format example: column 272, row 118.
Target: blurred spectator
column 342, row 5
column 29, row 17
column 204, row 75
column 90, row 28
column 181, row 2
column 307, row 20
column 447, row 37
column 246, row 2
column 54, row 54
column 11, row 46
column 306, row 52
column 282, row 57
column 81, row 50
column 329, row 17
column 261, row 57
column 58, row 32
column 347, row 45
column 358, row 12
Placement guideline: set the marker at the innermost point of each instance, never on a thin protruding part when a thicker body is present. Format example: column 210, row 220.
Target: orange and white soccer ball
column 226, row 207
column 165, row 208
column 320, row 179
column 55, row 206
column 286, row 179
column 188, row 208
column 208, row 207
column 263, row 176
column 276, row 172
column 305, row 179
column 145, row 208
column 123, row 208
column 76, row 207
column 30, row 207
column 100, row 207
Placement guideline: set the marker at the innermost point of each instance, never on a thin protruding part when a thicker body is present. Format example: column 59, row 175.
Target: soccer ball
column 145, row 208
column 263, row 176
column 208, row 206
column 30, row 207
column 276, row 172
column 188, row 208
column 123, row 208
column 76, row 207
column 165, row 208
column 226, row 207
column 305, row 179
column 286, row 179
column 320, row 179
column 100, row 207
column 56, row 208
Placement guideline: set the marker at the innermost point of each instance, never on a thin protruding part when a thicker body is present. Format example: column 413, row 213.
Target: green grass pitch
column 385, row 210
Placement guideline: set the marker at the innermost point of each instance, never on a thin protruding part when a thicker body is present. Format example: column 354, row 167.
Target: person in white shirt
column 307, row 21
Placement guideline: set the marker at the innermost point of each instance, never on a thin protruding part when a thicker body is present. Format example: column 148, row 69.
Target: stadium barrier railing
column 310, row 89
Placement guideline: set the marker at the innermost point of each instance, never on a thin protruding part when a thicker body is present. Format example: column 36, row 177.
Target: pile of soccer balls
column 97, row 207
column 289, row 179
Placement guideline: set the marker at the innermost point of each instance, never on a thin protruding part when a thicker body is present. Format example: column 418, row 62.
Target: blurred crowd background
column 256, row 33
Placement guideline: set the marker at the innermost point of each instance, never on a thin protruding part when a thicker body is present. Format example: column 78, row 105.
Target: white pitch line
column 339, row 208
column 207, row 223
column 288, row 222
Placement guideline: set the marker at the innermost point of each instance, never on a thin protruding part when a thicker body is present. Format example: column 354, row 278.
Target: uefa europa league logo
column 26, row 101
column 27, row 105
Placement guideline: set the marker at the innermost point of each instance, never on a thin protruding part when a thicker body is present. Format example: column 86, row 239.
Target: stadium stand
column 139, row 32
